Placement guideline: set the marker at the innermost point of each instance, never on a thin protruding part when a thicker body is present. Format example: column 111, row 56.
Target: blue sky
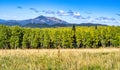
column 73, row 11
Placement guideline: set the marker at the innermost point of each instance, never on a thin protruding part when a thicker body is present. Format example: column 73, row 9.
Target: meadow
column 60, row 59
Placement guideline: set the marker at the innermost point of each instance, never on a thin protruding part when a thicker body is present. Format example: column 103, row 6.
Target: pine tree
column 74, row 42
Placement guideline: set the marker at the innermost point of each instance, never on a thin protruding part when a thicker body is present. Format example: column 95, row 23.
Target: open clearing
column 60, row 59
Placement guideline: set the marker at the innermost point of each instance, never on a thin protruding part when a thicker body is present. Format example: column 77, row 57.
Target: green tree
column 74, row 42
column 5, row 34
column 26, row 43
column 16, row 37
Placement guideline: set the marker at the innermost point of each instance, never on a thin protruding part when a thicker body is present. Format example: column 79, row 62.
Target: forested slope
column 64, row 37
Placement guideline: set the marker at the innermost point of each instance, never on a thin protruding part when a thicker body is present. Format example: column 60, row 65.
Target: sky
column 72, row 11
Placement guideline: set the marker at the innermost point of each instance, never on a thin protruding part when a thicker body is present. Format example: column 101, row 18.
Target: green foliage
column 5, row 34
column 65, row 37
column 26, row 43
column 16, row 37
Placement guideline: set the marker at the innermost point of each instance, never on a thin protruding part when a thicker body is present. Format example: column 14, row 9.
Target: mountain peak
column 41, row 16
column 38, row 20
column 48, row 20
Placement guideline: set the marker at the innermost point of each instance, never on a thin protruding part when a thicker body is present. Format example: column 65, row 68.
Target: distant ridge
column 90, row 24
column 38, row 20
column 44, row 21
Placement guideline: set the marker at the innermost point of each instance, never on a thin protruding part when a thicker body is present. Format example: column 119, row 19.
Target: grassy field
column 62, row 59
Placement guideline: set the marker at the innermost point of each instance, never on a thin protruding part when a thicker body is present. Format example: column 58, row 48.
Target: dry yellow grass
column 65, row 59
column 51, row 51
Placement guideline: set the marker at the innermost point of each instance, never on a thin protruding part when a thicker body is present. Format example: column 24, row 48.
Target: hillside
column 44, row 21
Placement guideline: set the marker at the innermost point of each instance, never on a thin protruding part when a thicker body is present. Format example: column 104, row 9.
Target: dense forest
column 13, row 37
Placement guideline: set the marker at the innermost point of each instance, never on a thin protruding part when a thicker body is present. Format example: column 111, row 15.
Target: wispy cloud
column 118, row 14
column 98, row 19
column 70, row 12
column 105, row 18
column 77, row 15
column 19, row 7
column 61, row 13
column 48, row 12
column 88, row 12
column 35, row 10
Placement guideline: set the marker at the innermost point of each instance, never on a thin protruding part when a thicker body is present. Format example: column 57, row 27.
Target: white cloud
column 76, row 14
column 69, row 13
column 62, row 13
column 48, row 12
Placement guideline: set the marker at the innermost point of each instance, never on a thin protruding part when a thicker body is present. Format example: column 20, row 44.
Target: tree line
column 65, row 37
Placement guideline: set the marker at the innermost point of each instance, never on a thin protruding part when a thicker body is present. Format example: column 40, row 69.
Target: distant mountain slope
column 1, row 21
column 43, row 21
column 37, row 20
column 48, row 20
column 90, row 24
column 61, row 25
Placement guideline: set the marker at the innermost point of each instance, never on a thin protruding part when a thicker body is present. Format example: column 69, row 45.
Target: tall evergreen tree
column 74, row 42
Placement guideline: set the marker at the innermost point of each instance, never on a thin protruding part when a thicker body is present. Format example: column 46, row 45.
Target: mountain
column 37, row 20
column 43, row 21
column 1, row 21
column 48, row 20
